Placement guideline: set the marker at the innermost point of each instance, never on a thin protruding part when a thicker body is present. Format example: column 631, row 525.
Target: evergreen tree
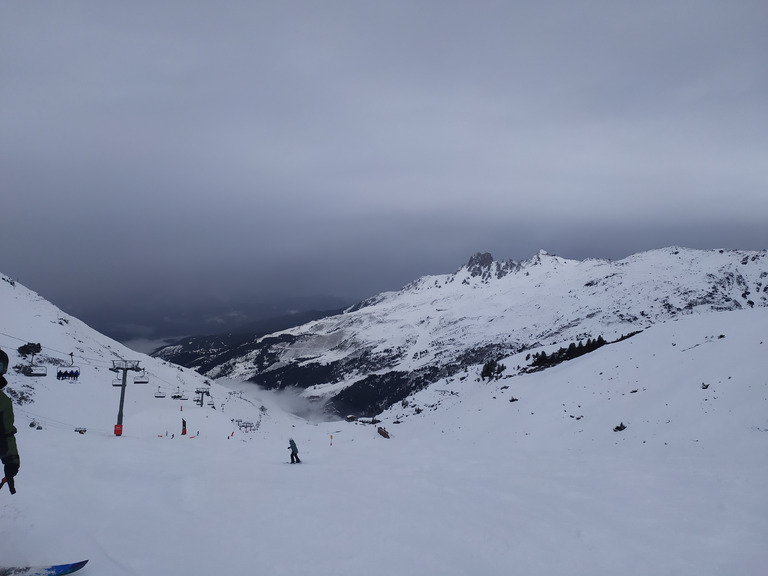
column 30, row 349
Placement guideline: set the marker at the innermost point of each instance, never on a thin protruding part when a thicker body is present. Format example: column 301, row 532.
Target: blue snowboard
column 58, row 570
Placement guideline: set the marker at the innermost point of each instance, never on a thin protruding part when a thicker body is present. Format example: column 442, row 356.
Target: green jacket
column 9, row 453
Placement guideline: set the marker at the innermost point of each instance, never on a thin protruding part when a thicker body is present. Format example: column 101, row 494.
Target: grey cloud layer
column 302, row 147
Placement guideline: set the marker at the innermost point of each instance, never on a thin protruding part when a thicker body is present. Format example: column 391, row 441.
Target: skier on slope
column 9, row 453
column 294, row 452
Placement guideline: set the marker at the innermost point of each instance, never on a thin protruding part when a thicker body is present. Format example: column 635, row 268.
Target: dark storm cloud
column 183, row 152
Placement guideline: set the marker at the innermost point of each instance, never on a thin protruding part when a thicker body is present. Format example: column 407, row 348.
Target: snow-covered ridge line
column 438, row 325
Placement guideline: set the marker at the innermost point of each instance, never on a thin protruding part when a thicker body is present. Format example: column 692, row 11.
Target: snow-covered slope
column 469, row 480
column 91, row 401
column 380, row 351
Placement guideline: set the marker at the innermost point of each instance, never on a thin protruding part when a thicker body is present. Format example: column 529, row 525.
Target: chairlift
column 159, row 393
column 176, row 395
column 31, row 369
column 70, row 372
column 67, row 373
column 34, row 370
column 201, row 393
column 117, row 382
column 142, row 379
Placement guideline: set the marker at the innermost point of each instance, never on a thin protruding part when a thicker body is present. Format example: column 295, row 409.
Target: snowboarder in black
column 294, row 452
column 9, row 453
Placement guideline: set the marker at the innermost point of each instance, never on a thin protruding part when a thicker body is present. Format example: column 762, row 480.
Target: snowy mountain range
column 644, row 456
column 380, row 351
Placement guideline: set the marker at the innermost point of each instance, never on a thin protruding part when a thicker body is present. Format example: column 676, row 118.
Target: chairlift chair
column 176, row 395
column 159, row 393
column 34, row 370
column 67, row 373
column 142, row 379
column 117, row 382
column 70, row 372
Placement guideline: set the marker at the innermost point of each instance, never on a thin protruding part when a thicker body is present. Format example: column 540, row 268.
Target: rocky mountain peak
column 484, row 266
column 479, row 263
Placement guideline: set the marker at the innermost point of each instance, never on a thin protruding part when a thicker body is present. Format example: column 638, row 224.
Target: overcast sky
column 186, row 151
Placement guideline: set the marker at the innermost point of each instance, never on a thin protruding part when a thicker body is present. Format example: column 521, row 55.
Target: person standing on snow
column 294, row 452
column 9, row 453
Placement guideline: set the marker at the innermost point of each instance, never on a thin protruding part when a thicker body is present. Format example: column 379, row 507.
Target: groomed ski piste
column 521, row 475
